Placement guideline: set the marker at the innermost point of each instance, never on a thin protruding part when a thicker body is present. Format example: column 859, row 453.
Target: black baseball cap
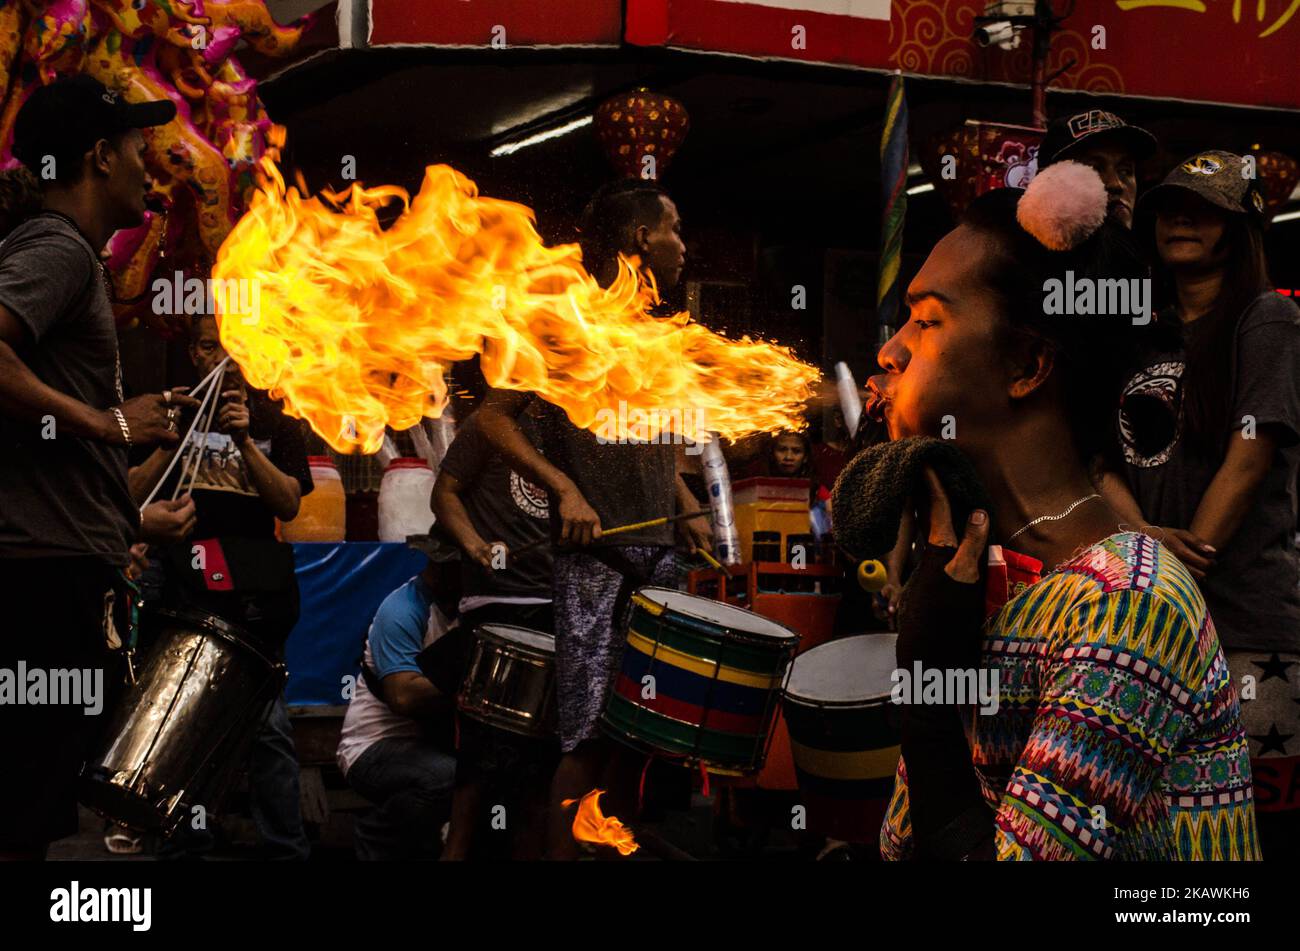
column 71, row 114
column 1069, row 135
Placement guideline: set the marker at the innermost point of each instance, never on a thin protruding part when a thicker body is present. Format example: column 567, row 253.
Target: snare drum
column 699, row 682
column 510, row 683
column 844, row 734
column 180, row 731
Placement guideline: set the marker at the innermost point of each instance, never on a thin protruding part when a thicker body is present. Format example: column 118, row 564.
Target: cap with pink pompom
column 1063, row 206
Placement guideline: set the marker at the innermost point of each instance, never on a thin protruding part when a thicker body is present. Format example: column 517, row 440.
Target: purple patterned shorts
column 588, row 641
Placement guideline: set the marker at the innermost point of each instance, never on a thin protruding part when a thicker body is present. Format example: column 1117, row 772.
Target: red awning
column 485, row 23
column 1212, row 51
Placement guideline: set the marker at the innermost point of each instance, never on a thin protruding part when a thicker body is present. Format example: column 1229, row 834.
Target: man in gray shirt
column 67, row 519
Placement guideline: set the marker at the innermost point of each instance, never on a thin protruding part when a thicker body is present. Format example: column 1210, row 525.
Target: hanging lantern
column 1278, row 175
column 640, row 125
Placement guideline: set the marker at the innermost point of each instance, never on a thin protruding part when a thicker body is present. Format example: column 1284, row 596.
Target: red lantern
column 635, row 125
column 1278, row 175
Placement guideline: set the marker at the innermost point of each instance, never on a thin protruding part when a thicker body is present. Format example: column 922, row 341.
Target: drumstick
column 618, row 529
column 710, row 559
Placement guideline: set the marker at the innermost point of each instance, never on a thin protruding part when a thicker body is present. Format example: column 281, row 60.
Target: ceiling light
column 509, row 148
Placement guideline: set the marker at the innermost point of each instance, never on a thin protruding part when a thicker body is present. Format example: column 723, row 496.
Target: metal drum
column 844, row 734
column 178, row 733
column 511, row 680
column 716, row 673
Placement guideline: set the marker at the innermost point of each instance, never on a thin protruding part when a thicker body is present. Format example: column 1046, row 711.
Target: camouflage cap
column 1224, row 179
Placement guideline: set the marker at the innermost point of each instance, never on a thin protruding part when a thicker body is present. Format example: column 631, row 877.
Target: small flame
column 592, row 825
column 354, row 324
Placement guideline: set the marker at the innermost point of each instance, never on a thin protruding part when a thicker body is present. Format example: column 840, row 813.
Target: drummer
column 396, row 744
column 592, row 485
column 491, row 511
column 67, row 519
column 251, row 469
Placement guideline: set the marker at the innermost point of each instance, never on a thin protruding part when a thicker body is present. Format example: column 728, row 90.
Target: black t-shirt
column 625, row 483
column 61, row 495
column 226, row 501
column 1253, row 591
column 504, row 507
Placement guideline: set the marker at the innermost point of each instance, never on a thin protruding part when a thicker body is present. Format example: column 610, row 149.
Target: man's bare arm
column 497, row 420
column 579, row 523
column 450, row 513
column 413, row 695
column 24, row 397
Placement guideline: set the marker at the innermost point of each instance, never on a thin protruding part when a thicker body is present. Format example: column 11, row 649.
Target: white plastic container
column 404, row 500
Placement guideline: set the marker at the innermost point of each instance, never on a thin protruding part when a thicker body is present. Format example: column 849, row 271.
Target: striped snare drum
column 700, row 681
column 844, row 734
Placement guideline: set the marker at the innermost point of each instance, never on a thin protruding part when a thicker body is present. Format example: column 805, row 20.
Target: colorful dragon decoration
column 204, row 161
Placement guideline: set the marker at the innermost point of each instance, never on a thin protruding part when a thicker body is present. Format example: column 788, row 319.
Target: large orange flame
column 355, row 324
column 592, row 825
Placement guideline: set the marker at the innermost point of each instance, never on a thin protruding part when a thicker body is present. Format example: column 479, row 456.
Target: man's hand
column 965, row 565
column 695, row 534
column 232, row 418
column 941, row 608
column 1197, row 554
column 139, row 553
column 884, row 604
column 579, row 523
column 940, row 618
column 485, row 553
column 152, row 418
column 170, row 521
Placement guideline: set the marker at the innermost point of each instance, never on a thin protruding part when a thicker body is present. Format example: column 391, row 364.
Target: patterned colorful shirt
column 1118, row 733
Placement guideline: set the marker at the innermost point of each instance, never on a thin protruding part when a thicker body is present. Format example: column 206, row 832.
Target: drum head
column 716, row 612
column 850, row 670
column 537, row 640
column 178, row 617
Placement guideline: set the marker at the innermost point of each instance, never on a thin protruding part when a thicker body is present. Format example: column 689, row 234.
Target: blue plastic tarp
column 341, row 585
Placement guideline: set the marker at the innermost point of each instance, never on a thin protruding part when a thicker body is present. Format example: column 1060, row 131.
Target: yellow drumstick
column 872, row 576
column 619, row 529
column 703, row 553
column 664, row 520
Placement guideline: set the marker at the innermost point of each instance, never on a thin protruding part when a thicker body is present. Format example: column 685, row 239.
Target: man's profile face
column 128, row 181
column 946, row 359
column 1118, row 170
column 661, row 247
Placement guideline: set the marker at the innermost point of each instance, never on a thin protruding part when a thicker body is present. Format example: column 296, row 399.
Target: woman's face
column 944, row 373
column 789, row 455
column 1188, row 232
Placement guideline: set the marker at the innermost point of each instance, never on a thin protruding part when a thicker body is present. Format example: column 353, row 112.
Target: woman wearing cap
column 1116, row 732
column 1210, row 431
